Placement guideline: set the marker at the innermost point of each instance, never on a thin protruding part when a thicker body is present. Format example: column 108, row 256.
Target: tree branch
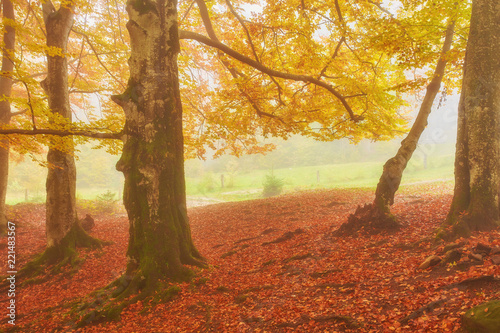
column 117, row 136
column 381, row 8
column 234, row 73
column 271, row 72
column 97, row 56
column 207, row 23
column 252, row 46
column 334, row 55
column 242, row 23
column 339, row 12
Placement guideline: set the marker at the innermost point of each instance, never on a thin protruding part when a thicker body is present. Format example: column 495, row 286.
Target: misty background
column 301, row 163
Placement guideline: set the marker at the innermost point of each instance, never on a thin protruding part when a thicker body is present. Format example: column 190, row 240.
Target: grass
column 14, row 197
column 248, row 185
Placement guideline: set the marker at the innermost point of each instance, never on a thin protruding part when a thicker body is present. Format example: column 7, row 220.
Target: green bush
column 107, row 196
column 207, row 184
column 103, row 204
column 272, row 186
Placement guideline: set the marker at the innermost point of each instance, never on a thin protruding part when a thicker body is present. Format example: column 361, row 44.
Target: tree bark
column 63, row 230
column 378, row 214
column 153, row 154
column 475, row 204
column 5, row 114
column 61, row 178
column 393, row 169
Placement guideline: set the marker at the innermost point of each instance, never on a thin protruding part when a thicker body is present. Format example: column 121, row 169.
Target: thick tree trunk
column 5, row 114
column 377, row 215
column 475, row 204
column 153, row 164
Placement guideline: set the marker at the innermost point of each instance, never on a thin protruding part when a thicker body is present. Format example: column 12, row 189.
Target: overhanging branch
column 183, row 34
column 117, row 136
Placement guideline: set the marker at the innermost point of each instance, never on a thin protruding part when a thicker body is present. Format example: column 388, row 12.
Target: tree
column 475, row 205
column 377, row 215
column 152, row 161
column 63, row 230
column 320, row 76
column 160, row 242
column 5, row 91
column 347, row 89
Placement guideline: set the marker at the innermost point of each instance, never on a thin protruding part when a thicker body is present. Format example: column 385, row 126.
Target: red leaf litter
column 274, row 267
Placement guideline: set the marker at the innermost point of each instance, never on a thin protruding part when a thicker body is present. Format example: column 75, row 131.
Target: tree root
column 349, row 322
column 426, row 308
column 54, row 258
column 108, row 303
column 138, row 283
column 463, row 225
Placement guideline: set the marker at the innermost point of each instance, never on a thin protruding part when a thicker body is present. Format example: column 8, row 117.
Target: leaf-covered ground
column 276, row 267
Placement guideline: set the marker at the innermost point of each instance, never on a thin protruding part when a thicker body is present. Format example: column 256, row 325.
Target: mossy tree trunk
column 153, row 164
column 378, row 214
column 475, row 204
column 63, row 231
column 5, row 114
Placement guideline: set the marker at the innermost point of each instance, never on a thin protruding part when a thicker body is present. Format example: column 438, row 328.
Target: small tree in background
column 272, row 186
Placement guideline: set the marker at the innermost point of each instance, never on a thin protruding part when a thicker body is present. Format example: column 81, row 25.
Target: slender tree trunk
column 5, row 114
column 393, row 169
column 475, row 204
column 61, row 177
column 153, row 164
column 378, row 214
column 63, row 231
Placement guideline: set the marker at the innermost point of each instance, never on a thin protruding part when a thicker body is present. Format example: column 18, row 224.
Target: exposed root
column 348, row 322
column 368, row 219
column 54, row 258
column 463, row 225
column 138, row 283
column 108, row 303
column 422, row 310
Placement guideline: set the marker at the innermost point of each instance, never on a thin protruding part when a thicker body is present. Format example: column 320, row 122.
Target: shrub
column 106, row 202
column 103, row 204
column 107, row 196
column 272, row 186
column 207, row 184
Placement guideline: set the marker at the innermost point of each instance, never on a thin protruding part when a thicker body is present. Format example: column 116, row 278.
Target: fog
column 302, row 163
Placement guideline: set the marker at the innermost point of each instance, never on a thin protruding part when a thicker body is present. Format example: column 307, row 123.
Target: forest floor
column 275, row 266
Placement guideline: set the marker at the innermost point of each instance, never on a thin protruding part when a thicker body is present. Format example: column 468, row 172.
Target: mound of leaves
column 368, row 219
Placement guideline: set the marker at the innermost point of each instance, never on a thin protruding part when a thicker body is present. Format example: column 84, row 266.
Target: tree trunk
column 63, row 231
column 5, row 90
column 152, row 161
column 475, row 204
column 393, row 169
column 377, row 215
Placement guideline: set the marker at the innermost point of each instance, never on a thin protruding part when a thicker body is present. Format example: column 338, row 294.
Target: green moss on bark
column 64, row 253
column 143, row 6
column 484, row 318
